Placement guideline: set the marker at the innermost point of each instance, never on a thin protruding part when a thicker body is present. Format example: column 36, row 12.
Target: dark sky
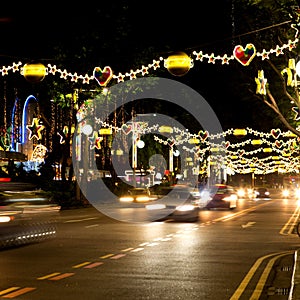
column 31, row 32
column 27, row 27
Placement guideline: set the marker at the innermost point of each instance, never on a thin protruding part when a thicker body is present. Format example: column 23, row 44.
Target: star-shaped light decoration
column 95, row 141
column 291, row 73
column 261, row 83
column 35, row 129
column 225, row 59
column 212, row 59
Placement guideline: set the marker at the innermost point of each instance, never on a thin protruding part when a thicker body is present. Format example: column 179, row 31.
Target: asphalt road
column 225, row 255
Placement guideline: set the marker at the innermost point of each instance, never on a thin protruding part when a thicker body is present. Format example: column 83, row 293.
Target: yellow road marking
column 291, row 222
column 248, row 277
column 9, row 290
column 81, row 265
column 107, row 255
column 137, row 249
column 62, row 276
column 48, row 276
column 263, row 278
column 19, row 292
column 128, row 249
column 231, row 216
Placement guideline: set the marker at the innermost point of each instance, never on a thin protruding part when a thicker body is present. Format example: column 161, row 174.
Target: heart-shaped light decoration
column 126, row 128
column 241, row 152
column 203, row 135
column 244, row 56
column 103, row 76
column 275, row 133
column 171, row 142
column 278, row 143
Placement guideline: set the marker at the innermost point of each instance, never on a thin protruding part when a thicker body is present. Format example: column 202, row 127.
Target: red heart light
column 103, row 76
column 244, row 56
column 275, row 133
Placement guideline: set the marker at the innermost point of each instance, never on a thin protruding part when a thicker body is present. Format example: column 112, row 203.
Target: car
column 138, row 195
column 244, row 192
column 291, row 193
column 26, row 216
column 262, row 192
column 176, row 203
column 220, row 196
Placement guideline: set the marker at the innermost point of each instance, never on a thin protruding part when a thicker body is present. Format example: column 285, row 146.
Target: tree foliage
column 267, row 24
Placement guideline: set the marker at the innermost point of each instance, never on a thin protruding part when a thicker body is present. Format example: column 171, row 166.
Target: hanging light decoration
column 34, row 72
column 239, row 132
column 178, row 63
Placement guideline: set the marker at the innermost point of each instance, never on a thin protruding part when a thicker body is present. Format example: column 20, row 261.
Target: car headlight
column 241, row 193
column 126, row 199
column 142, row 199
column 230, row 198
column 267, row 193
column 285, row 193
column 155, row 206
column 297, row 193
column 6, row 219
column 185, row 207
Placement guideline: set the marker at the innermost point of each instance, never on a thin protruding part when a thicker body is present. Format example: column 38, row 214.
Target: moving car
column 138, row 195
column 293, row 193
column 262, row 192
column 26, row 216
column 245, row 192
column 220, row 196
column 177, row 204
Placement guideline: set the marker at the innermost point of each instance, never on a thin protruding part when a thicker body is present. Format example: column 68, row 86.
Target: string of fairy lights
column 255, row 152
column 243, row 55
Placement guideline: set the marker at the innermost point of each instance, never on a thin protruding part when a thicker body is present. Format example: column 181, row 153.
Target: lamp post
column 87, row 131
column 136, row 143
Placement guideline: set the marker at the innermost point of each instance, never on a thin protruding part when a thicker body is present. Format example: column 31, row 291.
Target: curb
column 295, row 282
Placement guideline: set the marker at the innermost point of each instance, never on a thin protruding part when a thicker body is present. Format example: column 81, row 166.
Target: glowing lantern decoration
column 104, row 131
column 34, row 72
column 165, row 129
column 178, row 64
column 119, row 152
column 240, row 132
column 194, row 141
column 256, row 142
